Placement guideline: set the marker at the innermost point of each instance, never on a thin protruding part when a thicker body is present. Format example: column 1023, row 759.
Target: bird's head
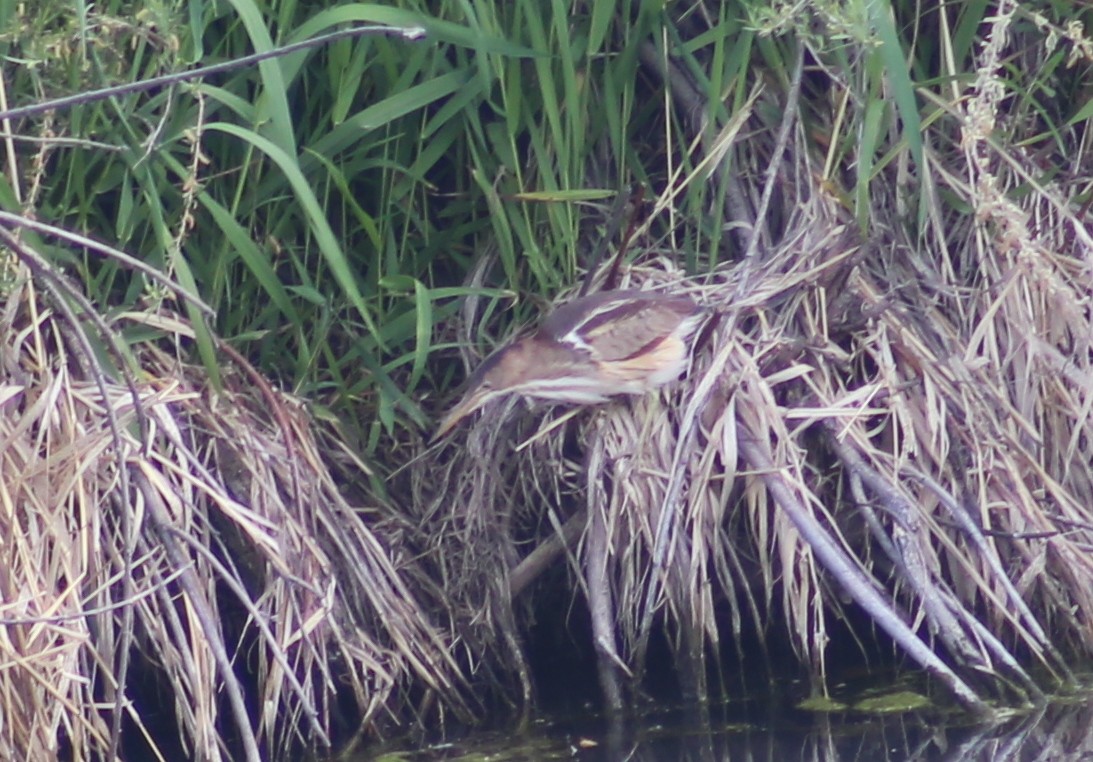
column 499, row 374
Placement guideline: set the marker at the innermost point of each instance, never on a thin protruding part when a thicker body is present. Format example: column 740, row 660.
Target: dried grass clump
column 171, row 549
column 902, row 424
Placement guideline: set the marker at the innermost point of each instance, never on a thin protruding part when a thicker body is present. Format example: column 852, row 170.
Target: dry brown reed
column 191, row 546
column 899, row 424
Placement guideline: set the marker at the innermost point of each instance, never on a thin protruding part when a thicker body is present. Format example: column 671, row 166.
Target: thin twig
column 409, row 33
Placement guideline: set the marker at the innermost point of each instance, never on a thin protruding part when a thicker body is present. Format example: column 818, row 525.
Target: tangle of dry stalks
column 169, row 548
column 901, row 426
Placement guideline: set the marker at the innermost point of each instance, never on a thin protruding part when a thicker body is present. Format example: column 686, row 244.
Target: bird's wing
column 614, row 326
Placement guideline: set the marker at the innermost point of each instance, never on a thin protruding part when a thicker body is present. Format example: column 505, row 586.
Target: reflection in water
column 1060, row 731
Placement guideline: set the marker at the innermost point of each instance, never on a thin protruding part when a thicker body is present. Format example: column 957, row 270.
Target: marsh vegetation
column 236, row 303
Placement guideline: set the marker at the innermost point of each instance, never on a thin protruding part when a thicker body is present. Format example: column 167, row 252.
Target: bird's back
column 615, row 326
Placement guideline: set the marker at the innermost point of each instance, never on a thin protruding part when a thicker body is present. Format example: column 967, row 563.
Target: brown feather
column 619, row 325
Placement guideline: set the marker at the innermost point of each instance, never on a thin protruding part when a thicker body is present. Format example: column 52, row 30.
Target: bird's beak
column 471, row 401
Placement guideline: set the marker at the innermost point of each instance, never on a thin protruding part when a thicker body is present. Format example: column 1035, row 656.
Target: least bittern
column 587, row 351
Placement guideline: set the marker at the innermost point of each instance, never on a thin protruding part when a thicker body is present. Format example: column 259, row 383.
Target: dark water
column 877, row 726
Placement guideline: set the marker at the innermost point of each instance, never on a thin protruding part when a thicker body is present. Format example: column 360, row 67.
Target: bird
column 588, row 351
